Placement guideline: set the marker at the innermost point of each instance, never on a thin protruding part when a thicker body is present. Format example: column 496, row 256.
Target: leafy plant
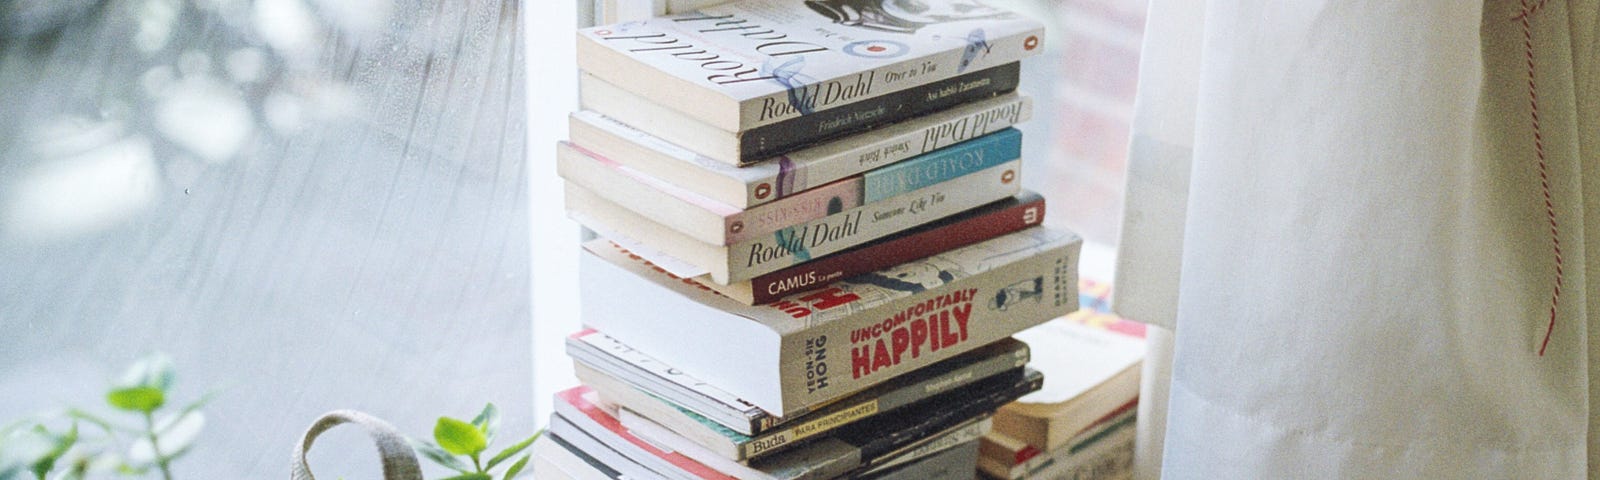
column 69, row 452
column 456, row 442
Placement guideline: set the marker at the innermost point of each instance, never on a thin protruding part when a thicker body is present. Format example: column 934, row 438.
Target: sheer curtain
column 1372, row 225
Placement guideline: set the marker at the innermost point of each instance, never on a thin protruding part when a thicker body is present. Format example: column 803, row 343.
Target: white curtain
column 1371, row 226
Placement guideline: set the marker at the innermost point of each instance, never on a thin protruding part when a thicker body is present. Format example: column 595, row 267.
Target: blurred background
column 323, row 204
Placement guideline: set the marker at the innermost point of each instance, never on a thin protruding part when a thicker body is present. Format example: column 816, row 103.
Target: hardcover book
column 795, row 244
column 623, row 375
column 959, row 230
column 813, row 348
column 742, row 65
column 712, row 222
column 785, row 175
column 936, row 386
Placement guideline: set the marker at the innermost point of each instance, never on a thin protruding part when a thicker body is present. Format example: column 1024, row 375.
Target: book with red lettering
column 816, row 347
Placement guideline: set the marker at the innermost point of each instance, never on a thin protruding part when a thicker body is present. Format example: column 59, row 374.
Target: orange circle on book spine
column 1007, row 177
column 763, row 190
column 1031, row 43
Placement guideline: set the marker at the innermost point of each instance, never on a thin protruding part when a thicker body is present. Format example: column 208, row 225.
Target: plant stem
column 475, row 463
column 155, row 447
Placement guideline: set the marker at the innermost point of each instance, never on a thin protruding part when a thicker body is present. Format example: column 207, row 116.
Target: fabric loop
column 399, row 460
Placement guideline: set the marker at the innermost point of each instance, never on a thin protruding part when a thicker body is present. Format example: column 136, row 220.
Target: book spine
column 807, row 206
column 778, row 138
column 876, row 185
column 854, row 352
column 802, row 100
column 836, row 416
column 965, row 229
column 801, row 243
column 797, row 172
column 802, row 170
column 941, row 165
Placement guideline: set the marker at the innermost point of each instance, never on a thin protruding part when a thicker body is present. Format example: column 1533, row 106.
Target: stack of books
column 1081, row 425
column 813, row 243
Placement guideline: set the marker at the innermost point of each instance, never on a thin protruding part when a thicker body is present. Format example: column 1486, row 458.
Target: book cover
column 785, row 175
column 861, row 445
column 795, row 244
column 812, row 348
column 709, row 221
column 965, row 228
column 622, row 374
column 744, row 64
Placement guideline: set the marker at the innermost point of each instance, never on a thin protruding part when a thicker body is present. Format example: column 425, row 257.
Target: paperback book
column 799, row 171
column 706, row 220
column 590, row 427
column 863, row 445
column 794, row 244
column 1093, row 370
column 742, row 65
column 813, row 348
column 1103, row 451
column 934, row 390
column 959, row 230
column 624, row 374
column 745, row 147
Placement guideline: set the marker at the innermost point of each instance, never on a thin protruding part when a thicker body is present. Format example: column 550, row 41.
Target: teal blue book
column 942, row 164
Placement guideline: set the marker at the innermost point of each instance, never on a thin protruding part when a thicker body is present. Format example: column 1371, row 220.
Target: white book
column 799, row 243
column 779, row 177
column 816, row 347
column 750, row 63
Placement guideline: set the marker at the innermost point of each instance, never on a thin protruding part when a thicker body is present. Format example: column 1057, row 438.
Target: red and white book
column 816, row 347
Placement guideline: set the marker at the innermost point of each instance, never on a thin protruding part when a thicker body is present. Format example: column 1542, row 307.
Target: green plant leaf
column 458, row 437
column 512, row 450
column 516, row 468
column 487, row 422
column 47, row 463
column 471, row 476
column 154, row 370
column 439, row 456
column 137, row 399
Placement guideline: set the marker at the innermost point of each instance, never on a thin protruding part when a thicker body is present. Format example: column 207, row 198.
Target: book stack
column 1082, row 424
column 813, row 244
